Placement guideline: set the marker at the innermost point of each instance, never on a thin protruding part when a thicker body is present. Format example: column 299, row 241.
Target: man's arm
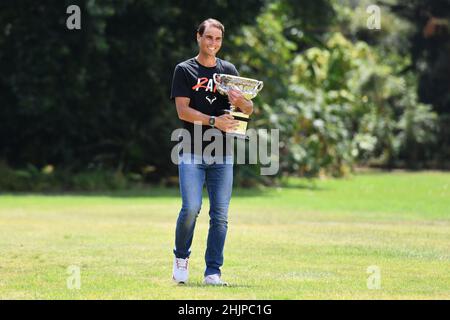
column 225, row 122
column 189, row 114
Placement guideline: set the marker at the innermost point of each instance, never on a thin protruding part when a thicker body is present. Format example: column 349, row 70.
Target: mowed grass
column 304, row 241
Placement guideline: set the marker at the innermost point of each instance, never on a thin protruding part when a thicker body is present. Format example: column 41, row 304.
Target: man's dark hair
column 213, row 22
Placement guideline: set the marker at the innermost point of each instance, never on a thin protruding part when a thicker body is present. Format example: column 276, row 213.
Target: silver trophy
column 248, row 87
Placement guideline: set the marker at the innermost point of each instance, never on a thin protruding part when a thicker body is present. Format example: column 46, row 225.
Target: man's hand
column 237, row 99
column 226, row 123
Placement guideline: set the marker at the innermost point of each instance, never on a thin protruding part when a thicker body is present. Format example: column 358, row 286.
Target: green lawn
column 303, row 241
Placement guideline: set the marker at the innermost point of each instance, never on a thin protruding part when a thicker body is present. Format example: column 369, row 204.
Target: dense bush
column 336, row 105
column 346, row 106
column 48, row 179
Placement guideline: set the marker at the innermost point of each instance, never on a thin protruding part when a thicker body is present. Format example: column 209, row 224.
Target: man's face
column 211, row 41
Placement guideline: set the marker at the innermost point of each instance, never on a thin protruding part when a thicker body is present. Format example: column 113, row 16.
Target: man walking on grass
column 200, row 107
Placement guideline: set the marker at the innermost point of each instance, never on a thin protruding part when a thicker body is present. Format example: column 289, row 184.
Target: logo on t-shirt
column 211, row 100
column 205, row 83
column 208, row 85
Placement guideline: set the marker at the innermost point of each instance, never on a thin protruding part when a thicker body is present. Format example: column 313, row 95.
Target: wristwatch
column 212, row 121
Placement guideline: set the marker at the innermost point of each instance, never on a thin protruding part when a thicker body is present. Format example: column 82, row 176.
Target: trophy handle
column 215, row 75
column 259, row 86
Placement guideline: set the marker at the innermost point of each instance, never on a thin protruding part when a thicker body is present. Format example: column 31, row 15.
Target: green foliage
column 97, row 97
column 266, row 51
column 418, row 129
column 429, row 47
column 367, row 100
column 341, row 106
column 48, row 179
column 95, row 104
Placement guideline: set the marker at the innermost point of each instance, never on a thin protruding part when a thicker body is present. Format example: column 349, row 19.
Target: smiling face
column 210, row 42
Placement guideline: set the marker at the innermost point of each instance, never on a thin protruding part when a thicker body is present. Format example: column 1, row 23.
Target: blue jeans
column 219, row 183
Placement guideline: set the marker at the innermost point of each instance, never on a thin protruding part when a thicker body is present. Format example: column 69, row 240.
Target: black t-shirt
column 195, row 81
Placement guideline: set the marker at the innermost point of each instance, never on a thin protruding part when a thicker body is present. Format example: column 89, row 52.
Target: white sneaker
column 180, row 272
column 214, row 279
